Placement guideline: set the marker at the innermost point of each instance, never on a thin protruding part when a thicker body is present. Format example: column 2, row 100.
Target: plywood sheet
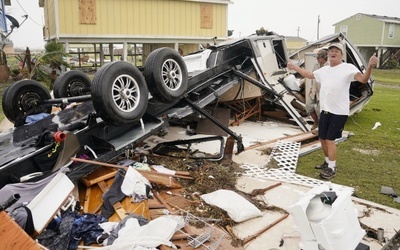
column 13, row 236
column 206, row 16
column 87, row 11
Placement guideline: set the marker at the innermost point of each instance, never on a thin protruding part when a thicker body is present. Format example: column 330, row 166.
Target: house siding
column 149, row 18
column 395, row 41
column 369, row 33
column 50, row 18
column 366, row 31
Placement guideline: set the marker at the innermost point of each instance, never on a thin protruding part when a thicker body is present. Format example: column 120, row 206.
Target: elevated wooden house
column 180, row 24
column 373, row 34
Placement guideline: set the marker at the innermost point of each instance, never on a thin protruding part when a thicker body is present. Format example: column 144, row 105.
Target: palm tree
column 47, row 65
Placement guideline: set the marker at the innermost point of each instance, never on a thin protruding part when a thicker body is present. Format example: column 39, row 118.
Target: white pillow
column 238, row 208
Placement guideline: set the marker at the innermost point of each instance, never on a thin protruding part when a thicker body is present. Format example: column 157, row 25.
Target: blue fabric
column 86, row 228
column 58, row 238
column 30, row 119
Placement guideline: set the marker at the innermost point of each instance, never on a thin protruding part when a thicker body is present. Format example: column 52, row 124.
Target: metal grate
column 285, row 154
column 209, row 238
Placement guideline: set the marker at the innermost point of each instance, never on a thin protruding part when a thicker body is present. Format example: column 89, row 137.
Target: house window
column 391, row 31
column 358, row 17
column 343, row 29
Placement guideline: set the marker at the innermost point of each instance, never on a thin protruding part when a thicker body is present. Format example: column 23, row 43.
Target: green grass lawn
column 387, row 76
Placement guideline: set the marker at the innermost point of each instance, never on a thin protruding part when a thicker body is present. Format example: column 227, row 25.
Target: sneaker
column 322, row 166
column 328, row 173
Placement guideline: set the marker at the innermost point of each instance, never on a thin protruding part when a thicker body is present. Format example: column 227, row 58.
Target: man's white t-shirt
column 335, row 86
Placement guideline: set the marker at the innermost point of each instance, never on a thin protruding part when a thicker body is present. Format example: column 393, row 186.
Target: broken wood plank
column 179, row 236
column 87, row 200
column 120, row 210
column 154, row 204
column 295, row 138
column 143, row 172
column 179, row 202
column 155, row 213
column 117, row 206
column 262, row 191
column 252, row 237
column 163, row 180
column 13, row 236
column 93, row 201
column 160, row 199
column 103, row 186
column 177, row 172
column 153, row 177
column 100, row 174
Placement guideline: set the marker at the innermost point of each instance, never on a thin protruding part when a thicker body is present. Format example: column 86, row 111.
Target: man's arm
column 301, row 71
column 363, row 78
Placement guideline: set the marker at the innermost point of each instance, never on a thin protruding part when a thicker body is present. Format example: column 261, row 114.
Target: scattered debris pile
column 167, row 186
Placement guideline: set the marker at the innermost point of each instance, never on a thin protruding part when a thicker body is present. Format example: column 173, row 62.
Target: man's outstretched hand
column 373, row 61
column 290, row 65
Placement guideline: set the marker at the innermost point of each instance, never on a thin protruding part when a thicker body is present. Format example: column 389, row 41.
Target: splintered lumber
column 101, row 174
column 178, row 202
column 252, row 237
column 117, row 206
column 152, row 176
column 178, row 173
column 175, row 198
column 296, row 138
column 160, row 199
column 96, row 184
column 182, row 175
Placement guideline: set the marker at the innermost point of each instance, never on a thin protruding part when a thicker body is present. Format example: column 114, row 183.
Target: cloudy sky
column 300, row 17
column 30, row 34
column 289, row 17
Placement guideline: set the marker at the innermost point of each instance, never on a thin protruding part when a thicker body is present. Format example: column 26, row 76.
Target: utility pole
column 298, row 31
column 319, row 20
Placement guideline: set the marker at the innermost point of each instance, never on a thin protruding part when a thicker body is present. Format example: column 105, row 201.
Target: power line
column 28, row 14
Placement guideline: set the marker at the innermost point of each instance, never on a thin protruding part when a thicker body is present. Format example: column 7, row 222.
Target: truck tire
column 22, row 98
column 166, row 74
column 72, row 83
column 119, row 93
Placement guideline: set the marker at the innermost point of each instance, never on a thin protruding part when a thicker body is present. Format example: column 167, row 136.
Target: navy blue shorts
column 331, row 126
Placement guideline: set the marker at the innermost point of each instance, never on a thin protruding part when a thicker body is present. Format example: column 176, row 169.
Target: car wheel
column 166, row 74
column 119, row 93
column 24, row 98
column 72, row 83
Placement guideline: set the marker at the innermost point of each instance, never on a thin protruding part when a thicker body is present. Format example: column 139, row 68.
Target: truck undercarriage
column 123, row 105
